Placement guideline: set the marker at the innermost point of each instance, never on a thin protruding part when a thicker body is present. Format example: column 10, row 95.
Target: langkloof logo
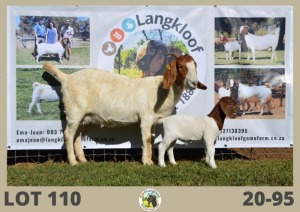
column 149, row 199
column 167, row 33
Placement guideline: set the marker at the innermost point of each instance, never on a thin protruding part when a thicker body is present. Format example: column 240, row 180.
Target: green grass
column 80, row 56
column 186, row 173
column 261, row 58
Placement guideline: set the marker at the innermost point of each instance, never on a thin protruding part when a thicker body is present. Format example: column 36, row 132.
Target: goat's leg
column 243, row 107
column 248, row 106
column 69, row 134
column 262, row 108
column 78, row 146
column 38, row 106
column 31, row 105
column 273, row 54
column 59, row 58
column 269, row 107
column 248, row 58
column 253, row 53
column 147, row 144
column 161, row 152
column 210, row 152
column 239, row 53
column 37, row 58
column 154, row 158
column 171, row 153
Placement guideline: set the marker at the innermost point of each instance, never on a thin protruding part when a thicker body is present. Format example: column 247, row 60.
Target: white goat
column 230, row 47
column 221, row 90
column 186, row 128
column 264, row 42
column 111, row 100
column 48, row 48
column 43, row 92
column 274, row 80
column 246, row 94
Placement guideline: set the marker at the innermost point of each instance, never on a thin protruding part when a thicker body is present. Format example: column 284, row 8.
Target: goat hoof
column 162, row 165
column 149, row 162
column 73, row 163
column 82, row 159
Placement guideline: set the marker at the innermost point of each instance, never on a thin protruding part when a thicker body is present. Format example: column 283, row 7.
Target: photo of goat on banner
column 260, row 93
column 145, row 53
column 249, row 41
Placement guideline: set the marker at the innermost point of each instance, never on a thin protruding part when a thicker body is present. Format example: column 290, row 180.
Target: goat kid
column 43, row 92
column 230, row 47
column 47, row 48
column 111, row 100
column 187, row 128
column 264, row 42
column 246, row 94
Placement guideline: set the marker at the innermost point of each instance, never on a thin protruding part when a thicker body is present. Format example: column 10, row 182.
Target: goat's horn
column 173, row 54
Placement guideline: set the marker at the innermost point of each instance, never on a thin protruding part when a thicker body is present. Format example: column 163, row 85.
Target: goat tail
column 268, row 85
column 55, row 71
column 35, row 84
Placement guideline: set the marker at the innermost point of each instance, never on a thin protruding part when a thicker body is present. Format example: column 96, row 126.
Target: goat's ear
column 156, row 64
column 169, row 75
column 201, row 86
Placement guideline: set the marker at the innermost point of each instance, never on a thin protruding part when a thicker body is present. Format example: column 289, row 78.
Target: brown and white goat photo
column 258, row 41
column 259, row 92
column 93, row 96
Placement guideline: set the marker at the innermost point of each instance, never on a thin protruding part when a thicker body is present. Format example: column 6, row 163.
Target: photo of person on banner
column 49, row 36
column 67, row 33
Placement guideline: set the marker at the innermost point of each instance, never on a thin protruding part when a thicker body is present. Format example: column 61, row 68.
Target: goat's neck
column 218, row 115
column 167, row 99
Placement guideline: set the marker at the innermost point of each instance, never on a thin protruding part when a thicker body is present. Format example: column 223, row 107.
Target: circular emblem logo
column 137, row 47
column 150, row 200
column 117, row 35
column 128, row 25
column 109, row 48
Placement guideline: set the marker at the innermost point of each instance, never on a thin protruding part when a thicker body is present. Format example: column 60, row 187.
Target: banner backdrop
column 220, row 39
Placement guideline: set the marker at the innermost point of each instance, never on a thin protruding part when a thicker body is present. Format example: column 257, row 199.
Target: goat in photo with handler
column 93, row 96
column 187, row 129
column 57, row 49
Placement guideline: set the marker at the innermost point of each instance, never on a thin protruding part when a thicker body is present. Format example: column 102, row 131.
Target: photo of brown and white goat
column 264, row 42
column 43, row 92
column 151, row 57
column 245, row 94
column 92, row 96
column 187, row 129
column 230, row 47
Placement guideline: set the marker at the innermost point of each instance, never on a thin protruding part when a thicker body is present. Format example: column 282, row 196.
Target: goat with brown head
column 183, row 72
